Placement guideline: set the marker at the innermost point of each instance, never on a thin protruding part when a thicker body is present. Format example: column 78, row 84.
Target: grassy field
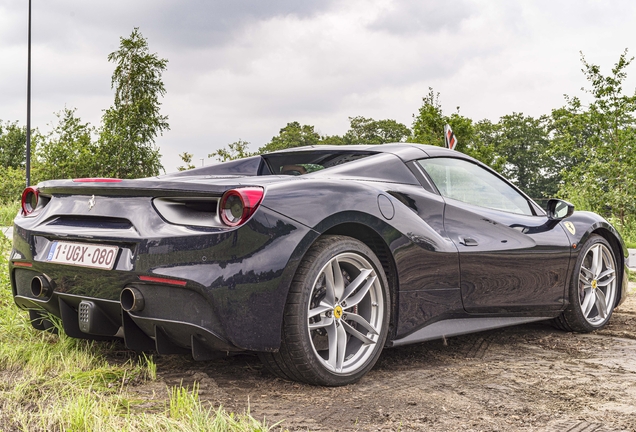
column 51, row 382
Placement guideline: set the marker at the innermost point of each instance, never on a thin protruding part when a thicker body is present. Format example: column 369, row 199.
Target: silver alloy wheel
column 345, row 313
column 597, row 284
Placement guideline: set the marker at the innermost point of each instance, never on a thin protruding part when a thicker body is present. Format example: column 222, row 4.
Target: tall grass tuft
column 8, row 211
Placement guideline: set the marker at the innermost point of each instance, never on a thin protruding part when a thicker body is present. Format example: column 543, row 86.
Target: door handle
column 468, row 241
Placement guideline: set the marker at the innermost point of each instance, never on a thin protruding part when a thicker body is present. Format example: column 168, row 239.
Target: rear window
column 300, row 163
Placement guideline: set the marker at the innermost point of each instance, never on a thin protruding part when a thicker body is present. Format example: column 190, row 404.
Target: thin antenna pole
column 28, row 121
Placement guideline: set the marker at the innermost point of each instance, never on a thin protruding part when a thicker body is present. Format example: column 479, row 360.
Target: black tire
column 593, row 289
column 356, row 344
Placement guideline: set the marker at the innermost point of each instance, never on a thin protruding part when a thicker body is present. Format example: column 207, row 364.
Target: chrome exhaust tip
column 131, row 300
column 40, row 287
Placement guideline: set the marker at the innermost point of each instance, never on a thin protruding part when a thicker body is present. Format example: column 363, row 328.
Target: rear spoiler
column 195, row 186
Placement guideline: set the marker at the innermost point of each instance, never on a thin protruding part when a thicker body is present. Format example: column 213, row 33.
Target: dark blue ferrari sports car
column 315, row 258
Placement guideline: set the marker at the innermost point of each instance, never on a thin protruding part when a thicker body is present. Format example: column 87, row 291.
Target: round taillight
column 30, row 198
column 237, row 205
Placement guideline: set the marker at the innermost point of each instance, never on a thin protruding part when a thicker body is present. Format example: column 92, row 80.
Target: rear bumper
column 234, row 283
column 98, row 319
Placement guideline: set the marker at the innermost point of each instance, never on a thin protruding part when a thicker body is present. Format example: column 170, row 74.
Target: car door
column 512, row 257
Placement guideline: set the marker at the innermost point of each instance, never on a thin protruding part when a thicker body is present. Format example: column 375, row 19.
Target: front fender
column 586, row 224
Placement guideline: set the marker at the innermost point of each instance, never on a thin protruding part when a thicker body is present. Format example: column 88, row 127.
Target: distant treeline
column 584, row 151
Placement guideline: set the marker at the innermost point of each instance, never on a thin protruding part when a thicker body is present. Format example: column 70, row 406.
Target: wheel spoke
column 362, row 292
column 597, row 260
column 358, row 319
column 332, row 336
column 364, row 274
column 355, row 333
column 601, row 303
column 342, row 346
column 588, row 302
column 323, row 307
column 324, row 322
column 330, row 295
column 338, row 281
column 610, row 274
column 587, row 273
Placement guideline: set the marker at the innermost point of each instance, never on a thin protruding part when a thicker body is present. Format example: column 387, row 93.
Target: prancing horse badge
column 91, row 203
column 570, row 226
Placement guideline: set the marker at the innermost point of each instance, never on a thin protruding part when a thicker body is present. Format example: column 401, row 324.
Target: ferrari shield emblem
column 570, row 227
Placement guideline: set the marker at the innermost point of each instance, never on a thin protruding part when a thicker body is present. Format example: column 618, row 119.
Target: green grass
column 51, row 382
column 8, row 212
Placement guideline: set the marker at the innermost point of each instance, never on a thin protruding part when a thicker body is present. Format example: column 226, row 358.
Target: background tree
column 369, row 131
column 428, row 123
column 236, row 150
column 13, row 159
column 571, row 130
column 69, row 150
column 362, row 131
column 187, row 160
column 333, row 140
column 475, row 140
column 600, row 144
column 292, row 135
column 523, row 143
column 129, row 127
column 12, row 145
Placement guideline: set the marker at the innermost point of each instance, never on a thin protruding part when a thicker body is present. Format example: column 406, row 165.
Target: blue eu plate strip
column 52, row 251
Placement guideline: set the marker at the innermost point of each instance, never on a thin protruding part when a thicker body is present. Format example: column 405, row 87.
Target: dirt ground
column 530, row 377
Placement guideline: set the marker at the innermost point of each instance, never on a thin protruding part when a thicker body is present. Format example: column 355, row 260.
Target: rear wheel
column 593, row 288
column 336, row 317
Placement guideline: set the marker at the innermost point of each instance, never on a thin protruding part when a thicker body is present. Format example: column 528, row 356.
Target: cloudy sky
column 245, row 68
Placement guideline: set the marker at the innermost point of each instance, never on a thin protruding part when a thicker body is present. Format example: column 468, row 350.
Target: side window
column 464, row 181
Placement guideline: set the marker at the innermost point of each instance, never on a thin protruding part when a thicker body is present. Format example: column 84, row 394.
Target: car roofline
column 405, row 151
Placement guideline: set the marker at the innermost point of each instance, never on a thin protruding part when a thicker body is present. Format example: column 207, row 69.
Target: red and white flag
column 449, row 138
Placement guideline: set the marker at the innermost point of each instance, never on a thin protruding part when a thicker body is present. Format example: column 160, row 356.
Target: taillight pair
column 237, row 205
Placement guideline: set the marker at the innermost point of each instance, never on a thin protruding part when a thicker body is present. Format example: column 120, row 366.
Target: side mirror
column 559, row 209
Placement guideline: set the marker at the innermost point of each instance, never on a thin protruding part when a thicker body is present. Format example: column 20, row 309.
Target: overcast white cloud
column 243, row 69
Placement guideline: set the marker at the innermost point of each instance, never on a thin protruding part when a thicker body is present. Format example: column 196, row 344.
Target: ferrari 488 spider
column 314, row 258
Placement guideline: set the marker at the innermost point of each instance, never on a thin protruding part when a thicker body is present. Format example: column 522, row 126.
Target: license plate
column 83, row 255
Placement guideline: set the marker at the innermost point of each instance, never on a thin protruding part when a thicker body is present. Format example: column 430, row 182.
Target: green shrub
column 13, row 182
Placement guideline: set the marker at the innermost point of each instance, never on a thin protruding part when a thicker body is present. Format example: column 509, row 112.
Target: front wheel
column 593, row 288
column 336, row 317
